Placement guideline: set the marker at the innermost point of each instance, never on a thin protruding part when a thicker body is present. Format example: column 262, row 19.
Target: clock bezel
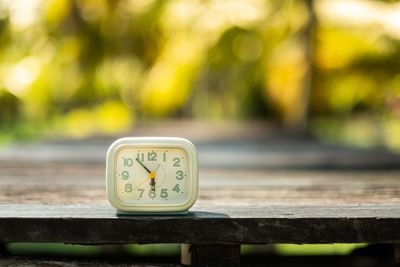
column 173, row 142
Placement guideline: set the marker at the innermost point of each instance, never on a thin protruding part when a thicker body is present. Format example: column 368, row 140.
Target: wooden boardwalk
column 257, row 186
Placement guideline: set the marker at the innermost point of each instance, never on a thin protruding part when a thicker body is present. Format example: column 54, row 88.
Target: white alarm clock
column 152, row 175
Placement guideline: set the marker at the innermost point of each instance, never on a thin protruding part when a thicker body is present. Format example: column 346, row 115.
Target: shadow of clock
column 206, row 214
column 190, row 214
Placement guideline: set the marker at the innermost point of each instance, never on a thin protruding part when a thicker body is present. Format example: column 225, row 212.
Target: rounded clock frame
column 154, row 142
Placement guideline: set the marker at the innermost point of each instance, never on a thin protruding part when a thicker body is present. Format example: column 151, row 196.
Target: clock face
column 152, row 175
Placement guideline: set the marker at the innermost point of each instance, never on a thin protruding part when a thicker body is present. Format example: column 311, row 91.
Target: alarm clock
column 152, row 175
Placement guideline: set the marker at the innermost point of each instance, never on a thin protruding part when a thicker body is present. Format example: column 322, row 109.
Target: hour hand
column 153, row 184
column 152, row 176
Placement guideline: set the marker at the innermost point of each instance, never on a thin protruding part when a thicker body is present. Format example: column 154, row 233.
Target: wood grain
column 205, row 224
column 256, row 186
column 75, row 184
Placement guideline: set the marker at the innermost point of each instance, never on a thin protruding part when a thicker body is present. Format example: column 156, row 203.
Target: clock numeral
column 164, row 193
column 128, row 188
column 179, row 175
column 176, row 188
column 125, row 175
column 164, row 156
column 177, row 162
column 152, row 194
column 140, row 156
column 128, row 162
column 152, row 156
column 141, row 190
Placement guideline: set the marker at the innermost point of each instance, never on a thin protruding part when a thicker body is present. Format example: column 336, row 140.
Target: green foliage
column 318, row 249
column 10, row 108
column 168, row 250
column 79, row 67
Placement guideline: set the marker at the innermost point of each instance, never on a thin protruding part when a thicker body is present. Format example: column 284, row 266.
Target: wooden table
column 257, row 186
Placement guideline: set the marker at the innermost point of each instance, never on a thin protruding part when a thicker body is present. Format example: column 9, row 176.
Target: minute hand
column 141, row 164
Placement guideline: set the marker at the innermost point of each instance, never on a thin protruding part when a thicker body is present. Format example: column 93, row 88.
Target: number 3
column 179, row 175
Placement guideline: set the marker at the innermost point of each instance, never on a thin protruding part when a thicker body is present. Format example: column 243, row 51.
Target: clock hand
column 153, row 184
column 152, row 176
column 143, row 181
column 141, row 164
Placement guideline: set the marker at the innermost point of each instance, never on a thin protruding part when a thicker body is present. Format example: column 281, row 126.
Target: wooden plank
column 215, row 255
column 246, row 163
column 74, row 184
column 205, row 224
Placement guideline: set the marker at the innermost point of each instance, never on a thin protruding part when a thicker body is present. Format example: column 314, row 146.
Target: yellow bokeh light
column 19, row 77
column 285, row 80
column 167, row 85
column 108, row 118
column 113, row 117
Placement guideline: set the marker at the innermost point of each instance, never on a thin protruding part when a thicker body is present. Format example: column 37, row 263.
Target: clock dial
column 152, row 175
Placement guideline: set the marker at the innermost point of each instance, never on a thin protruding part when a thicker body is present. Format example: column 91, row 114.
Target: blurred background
column 78, row 68
column 74, row 69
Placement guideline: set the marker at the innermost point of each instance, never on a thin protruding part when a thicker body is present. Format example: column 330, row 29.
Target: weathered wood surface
column 256, row 186
column 85, row 184
column 205, row 224
column 240, row 163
